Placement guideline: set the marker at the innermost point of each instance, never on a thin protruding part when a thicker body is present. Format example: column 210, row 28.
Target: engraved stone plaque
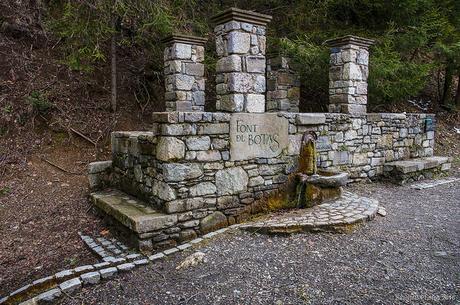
column 261, row 135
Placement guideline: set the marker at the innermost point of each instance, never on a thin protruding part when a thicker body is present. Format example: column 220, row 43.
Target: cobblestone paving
column 333, row 216
column 411, row 256
column 106, row 248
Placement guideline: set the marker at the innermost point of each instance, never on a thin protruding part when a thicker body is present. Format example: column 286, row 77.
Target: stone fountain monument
column 195, row 171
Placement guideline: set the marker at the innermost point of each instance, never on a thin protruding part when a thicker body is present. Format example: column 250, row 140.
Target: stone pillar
column 283, row 85
column 184, row 73
column 240, row 44
column 348, row 74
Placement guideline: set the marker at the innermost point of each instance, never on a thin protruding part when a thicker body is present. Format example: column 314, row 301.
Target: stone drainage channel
column 335, row 216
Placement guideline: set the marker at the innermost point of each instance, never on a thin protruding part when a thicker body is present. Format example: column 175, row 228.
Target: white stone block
column 238, row 42
column 181, row 51
column 255, row 103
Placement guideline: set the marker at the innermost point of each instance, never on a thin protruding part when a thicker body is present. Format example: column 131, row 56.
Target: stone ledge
column 414, row 165
column 241, row 15
column 349, row 39
column 131, row 212
column 311, row 118
column 99, row 167
column 181, row 38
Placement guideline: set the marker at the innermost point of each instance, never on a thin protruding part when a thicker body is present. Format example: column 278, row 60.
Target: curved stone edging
column 336, row 216
column 49, row 289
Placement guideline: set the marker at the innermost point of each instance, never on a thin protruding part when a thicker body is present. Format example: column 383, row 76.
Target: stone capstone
column 213, row 222
column 231, row 181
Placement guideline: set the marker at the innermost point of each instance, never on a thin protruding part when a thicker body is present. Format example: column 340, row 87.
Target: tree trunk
column 448, row 77
column 457, row 95
column 113, row 48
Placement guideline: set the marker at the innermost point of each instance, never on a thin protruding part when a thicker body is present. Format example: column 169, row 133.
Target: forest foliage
column 417, row 50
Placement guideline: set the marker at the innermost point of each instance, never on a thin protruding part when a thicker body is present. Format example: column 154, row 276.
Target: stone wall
column 283, row 85
column 240, row 70
column 186, row 166
column 348, row 73
column 184, row 73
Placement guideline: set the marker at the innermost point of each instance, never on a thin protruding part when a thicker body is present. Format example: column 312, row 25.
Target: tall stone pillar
column 348, row 73
column 184, row 73
column 283, row 84
column 240, row 44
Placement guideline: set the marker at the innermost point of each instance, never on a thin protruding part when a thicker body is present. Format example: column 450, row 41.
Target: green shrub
column 39, row 102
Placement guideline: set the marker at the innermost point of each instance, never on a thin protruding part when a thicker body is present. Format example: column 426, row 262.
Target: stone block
column 169, row 149
column 310, row 118
column 99, row 167
column 239, row 82
column 163, row 190
column 196, row 69
column 198, row 98
column 184, row 205
column 202, row 189
column 183, row 82
column 90, row 278
column 182, row 106
column 259, row 83
column 351, row 71
column 232, row 25
column 177, row 129
column 231, row 63
column 360, row 159
column 108, row 272
column 232, row 102
column 353, row 108
column 49, row 296
column 231, row 181
column 255, row 103
column 125, row 267
column 340, row 157
column 70, row 286
column 198, row 143
column 362, row 57
column 181, row 171
column 208, row 155
column 181, row 51
column 213, row 222
column 213, row 128
column 238, row 42
column 255, row 64
column 294, row 144
column 255, row 181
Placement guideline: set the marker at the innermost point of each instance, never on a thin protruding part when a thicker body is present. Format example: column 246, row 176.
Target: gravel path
column 411, row 256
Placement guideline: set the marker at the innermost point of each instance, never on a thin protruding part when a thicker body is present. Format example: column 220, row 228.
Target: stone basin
column 325, row 179
column 312, row 190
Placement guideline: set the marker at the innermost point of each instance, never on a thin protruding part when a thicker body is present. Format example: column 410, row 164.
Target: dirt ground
column 41, row 210
column 411, row 256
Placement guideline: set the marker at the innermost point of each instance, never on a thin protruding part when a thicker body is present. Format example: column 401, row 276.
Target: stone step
column 131, row 212
column 418, row 164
